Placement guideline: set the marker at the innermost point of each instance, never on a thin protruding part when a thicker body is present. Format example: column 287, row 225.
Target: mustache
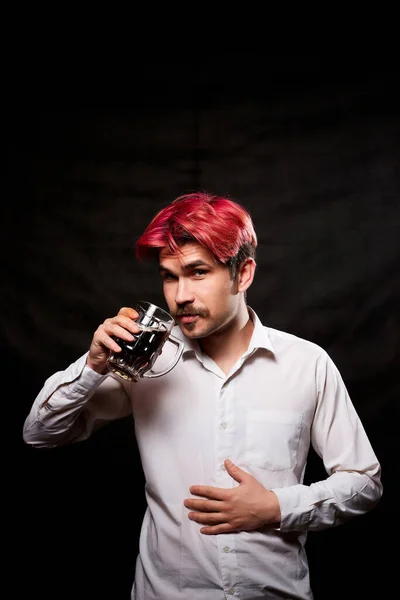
column 192, row 311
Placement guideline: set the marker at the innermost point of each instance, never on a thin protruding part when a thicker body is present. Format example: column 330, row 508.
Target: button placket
column 224, row 449
column 224, row 433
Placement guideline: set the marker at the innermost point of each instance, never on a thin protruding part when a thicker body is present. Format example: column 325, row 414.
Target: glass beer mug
column 137, row 358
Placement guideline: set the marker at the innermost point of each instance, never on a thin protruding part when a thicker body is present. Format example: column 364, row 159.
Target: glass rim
column 156, row 309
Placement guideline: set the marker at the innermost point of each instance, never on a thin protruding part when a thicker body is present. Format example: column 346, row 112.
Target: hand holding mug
column 139, row 353
column 122, row 326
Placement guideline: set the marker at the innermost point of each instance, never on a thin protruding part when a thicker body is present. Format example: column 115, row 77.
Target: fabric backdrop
column 313, row 153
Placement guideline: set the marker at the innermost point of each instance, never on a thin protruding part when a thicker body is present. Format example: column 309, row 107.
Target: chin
column 193, row 332
column 197, row 334
column 189, row 331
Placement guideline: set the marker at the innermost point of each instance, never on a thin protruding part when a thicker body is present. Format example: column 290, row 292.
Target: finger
column 213, row 530
column 108, row 338
column 208, row 491
column 203, row 505
column 122, row 332
column 120, row 324
column 106, row 333
column 104, row 341
column 214, row 518
column 236, row 472
column 127, row 311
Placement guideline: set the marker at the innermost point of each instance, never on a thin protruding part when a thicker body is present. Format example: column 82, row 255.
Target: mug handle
column 179, row 349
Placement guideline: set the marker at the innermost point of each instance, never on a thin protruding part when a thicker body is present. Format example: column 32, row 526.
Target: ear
column 246, row 273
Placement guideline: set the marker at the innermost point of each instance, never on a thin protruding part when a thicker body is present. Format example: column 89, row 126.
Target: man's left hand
column 242, row 508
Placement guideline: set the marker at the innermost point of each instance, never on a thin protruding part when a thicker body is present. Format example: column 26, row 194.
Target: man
column 224, row 436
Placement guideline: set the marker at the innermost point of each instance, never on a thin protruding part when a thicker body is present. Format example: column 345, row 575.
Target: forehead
column 189, row 253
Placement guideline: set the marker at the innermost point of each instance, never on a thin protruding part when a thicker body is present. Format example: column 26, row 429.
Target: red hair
column 221, row 225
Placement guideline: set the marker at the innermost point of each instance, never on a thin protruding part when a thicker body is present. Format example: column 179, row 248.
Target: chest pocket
column 272, row 438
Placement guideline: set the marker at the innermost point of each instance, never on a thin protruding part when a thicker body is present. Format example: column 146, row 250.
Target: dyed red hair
column 221, row 225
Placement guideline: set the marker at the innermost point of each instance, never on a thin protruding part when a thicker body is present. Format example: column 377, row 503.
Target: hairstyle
column 219, row 224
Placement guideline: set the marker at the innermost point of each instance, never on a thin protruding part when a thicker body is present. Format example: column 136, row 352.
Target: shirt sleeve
column 353, row 485
column 72, row 404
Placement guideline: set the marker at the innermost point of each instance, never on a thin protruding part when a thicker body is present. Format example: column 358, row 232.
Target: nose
column 184, row 294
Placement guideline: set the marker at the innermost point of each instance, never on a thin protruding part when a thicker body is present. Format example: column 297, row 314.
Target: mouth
column 187, row 318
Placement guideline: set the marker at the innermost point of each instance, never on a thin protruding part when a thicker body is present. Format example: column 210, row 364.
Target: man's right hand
column 123, row 325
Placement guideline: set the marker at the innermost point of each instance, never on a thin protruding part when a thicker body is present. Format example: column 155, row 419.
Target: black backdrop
column 312, row 150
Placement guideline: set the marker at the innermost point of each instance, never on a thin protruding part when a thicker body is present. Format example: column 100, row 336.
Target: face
column 199, row 292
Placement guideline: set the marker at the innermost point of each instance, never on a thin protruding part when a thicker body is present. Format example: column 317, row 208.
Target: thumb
column 236, row 472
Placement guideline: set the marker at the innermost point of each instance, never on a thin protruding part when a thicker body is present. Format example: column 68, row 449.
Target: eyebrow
column 188, row 267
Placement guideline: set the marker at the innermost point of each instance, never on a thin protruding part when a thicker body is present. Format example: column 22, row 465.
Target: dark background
column 311, row 148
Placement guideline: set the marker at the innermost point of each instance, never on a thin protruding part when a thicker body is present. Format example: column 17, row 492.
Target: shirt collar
column 259, row 339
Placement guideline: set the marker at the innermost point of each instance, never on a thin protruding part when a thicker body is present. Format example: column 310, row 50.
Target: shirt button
column 226, row 549
column 231, row 591
column 223, row 425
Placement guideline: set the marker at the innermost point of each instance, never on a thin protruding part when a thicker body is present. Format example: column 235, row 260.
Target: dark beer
column 137, row 356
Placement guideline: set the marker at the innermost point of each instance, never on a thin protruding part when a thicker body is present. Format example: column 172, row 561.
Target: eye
column 199, row 272
column 168, row 277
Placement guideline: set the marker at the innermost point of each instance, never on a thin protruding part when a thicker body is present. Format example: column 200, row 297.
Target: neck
column 225, row 347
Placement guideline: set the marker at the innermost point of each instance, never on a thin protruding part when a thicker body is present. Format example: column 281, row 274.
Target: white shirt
column 283, row 394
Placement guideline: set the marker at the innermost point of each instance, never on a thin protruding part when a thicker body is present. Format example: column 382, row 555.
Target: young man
column 224, row 436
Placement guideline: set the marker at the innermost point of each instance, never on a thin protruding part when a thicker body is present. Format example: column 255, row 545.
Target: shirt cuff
column 90, row 378
column 295, row 507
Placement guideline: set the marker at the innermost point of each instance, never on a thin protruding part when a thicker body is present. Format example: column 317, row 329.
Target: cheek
column 220, row 295
column 168, row 294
